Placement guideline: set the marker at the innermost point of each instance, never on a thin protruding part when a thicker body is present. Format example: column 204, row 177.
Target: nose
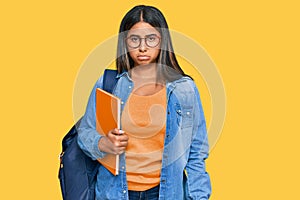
column 143, row 46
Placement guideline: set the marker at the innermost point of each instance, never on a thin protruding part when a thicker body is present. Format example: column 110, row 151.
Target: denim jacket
column 183, row 173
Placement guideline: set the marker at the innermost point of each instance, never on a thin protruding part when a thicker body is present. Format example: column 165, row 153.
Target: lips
column 143, row 57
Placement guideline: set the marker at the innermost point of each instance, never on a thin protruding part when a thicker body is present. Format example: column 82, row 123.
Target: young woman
column 163, row 143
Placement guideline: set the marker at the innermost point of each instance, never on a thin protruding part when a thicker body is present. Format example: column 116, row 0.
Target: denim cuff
column 96, row 151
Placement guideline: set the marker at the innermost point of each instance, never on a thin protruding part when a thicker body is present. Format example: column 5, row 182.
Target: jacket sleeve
column 198, row 184
column 88, row 137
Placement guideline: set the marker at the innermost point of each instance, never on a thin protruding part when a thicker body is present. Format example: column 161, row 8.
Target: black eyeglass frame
column 140, row 41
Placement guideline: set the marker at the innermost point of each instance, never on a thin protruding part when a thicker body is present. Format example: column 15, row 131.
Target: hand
column 115, row 142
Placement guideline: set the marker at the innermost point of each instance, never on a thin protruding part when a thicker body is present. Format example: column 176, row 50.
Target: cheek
column 156, row 53
column 132, row 53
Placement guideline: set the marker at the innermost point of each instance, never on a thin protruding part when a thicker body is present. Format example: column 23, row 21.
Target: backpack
column 78, row 172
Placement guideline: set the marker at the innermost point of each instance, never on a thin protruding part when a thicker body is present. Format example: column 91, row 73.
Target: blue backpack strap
column 109, row 80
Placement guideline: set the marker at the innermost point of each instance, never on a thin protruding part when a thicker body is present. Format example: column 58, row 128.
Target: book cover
column 108, row 108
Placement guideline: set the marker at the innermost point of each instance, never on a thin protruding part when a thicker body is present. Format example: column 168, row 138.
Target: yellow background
column 255, row 45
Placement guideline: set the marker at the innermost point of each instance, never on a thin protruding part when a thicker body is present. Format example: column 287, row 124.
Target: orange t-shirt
column 144, row 120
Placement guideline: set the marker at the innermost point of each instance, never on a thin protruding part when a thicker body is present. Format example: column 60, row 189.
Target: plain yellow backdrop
column 255, row 45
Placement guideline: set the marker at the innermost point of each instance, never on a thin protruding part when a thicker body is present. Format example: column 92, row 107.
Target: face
column 143, row 43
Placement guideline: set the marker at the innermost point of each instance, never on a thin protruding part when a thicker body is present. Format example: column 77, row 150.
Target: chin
column 144, row 63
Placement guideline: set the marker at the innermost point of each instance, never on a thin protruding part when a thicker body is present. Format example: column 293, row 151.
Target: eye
column 151, row 38
column 134, row 39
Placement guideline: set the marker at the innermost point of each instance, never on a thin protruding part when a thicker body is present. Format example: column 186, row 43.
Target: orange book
column 108, row 109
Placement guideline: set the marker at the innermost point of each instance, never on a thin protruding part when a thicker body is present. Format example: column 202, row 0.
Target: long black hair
column 167, row 63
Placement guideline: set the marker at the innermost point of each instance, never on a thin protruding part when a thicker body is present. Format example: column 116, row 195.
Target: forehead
column 142, row 29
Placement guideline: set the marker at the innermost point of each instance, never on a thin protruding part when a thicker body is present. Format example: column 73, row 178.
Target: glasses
column 151, row 41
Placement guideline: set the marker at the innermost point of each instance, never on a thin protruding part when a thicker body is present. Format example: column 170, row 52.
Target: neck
column 145, row 71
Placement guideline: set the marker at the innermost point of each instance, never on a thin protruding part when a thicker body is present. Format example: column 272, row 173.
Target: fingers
column 106, row 145
column 117, row 132
column 118, row 136
column 119, row 151
column 119, row 141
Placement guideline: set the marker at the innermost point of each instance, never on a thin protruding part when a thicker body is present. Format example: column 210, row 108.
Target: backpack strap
column 109, row 80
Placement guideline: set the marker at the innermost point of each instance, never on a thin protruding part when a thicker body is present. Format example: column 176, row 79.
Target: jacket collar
column 125, row 74
column 170, row 85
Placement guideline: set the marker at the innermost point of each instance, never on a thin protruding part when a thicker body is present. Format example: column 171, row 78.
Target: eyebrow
column 152, row 34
